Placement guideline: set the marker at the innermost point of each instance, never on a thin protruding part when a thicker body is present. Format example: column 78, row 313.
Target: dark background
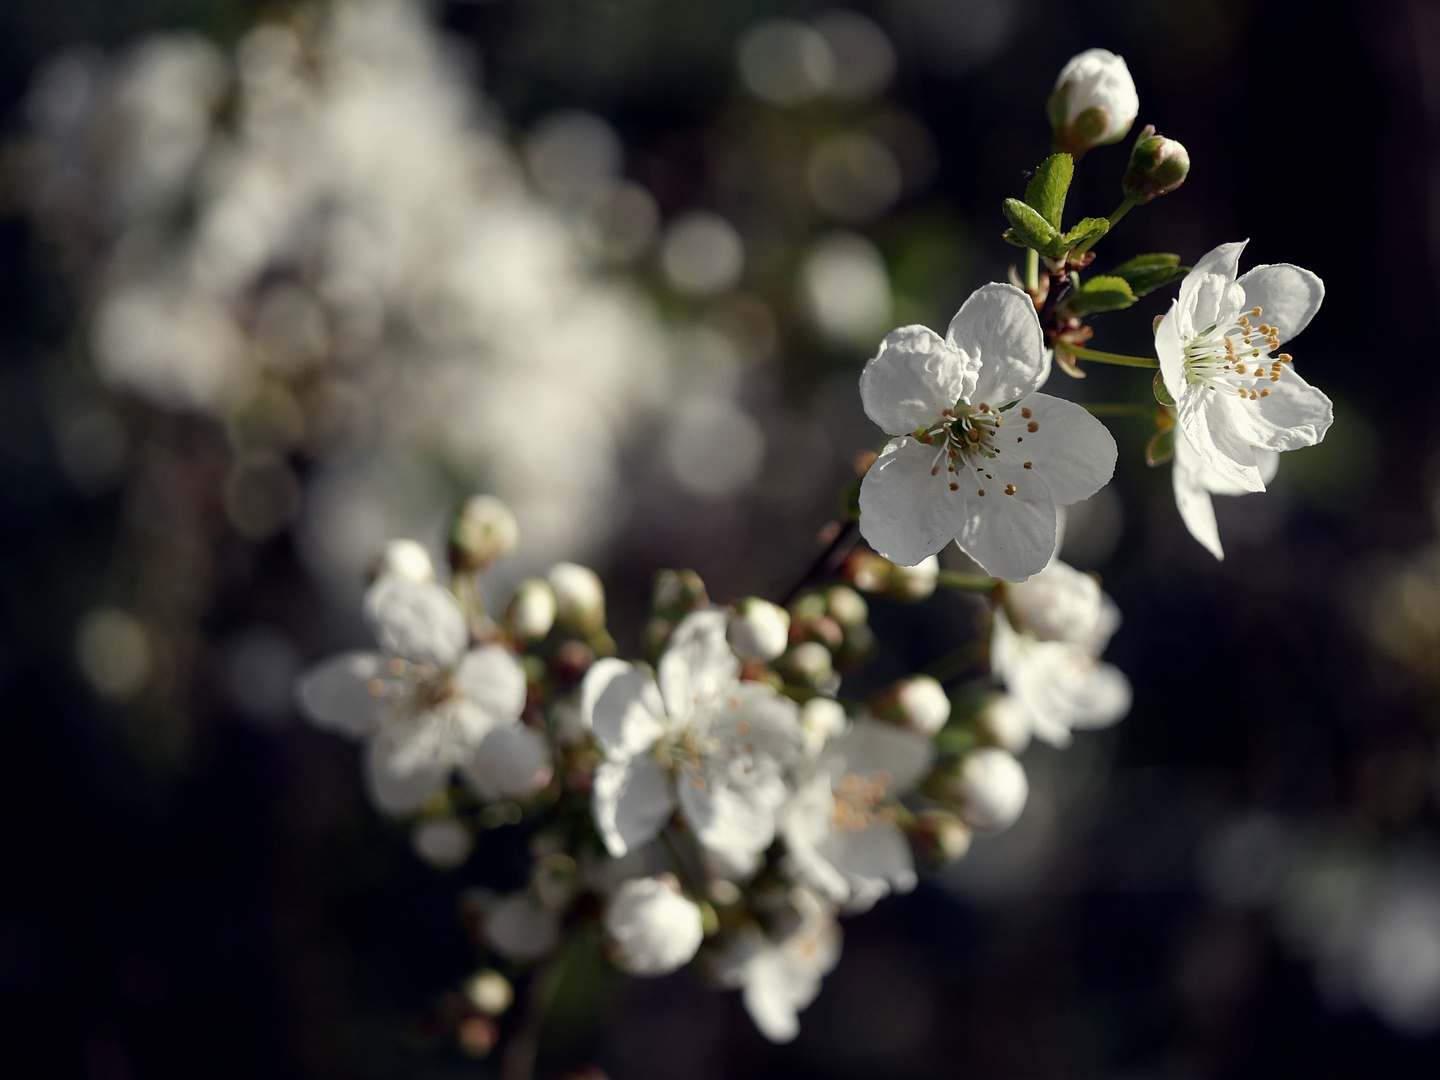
column 244, row 914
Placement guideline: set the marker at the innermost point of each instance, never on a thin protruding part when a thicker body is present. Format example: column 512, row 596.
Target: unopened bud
column 1094, row 102
column 759, row 630
column 808, row 664
column 858, row 647
column 443, row 843
column 490, row 992
column 1157, row 165
column 653, row 927
column 821, row 719
column 939, row 837
column 405, row 559
column 676, row 593
column 1006, row 723
column 484, row 532
column 910, row 584
column 918, row 703
column 579, row 596
column 987, row 787
column 532, row 609
column 846, row 606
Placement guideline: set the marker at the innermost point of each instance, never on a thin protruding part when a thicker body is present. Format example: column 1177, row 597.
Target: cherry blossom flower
column 1232, row 398
column 1045, row 647
column 697, row 738
column 836, row 828
column 779, row 973
column 1094, row 102
column 990, row 789
column 655, row 929
column 977, row 456
column 425, row 704
column 1195, row 483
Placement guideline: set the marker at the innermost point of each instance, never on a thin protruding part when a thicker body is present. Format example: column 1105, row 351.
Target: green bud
column 1157, row 165
column 1162, row 392
column 676, row 593
column 484, row 532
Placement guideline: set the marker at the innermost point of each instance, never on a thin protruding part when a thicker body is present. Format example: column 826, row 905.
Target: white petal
column 804, row 822
column 729, row 818
column 998, row 331
column 1192, row 498
column 870, row 747
column 621, row 704
column 416, row 620
column 520, row 929
column 631, row 801
column 335, row 693
column 1102, row 699
column 774, row 993
column 1209, row 295
column 1171, row 350
column 906, row 514
column 1073, row 451
column 1288, row 296
column 1207, row 418
column 494, row 680
column 396, row 785
column 698, row 665
column 1294, row 414
column 875, row 860
column 913, row 377
column 1011, row 535
column 765, row 721
column 513, row 761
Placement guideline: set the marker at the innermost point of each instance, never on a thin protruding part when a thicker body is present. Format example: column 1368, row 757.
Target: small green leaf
column 1028, row 226
column 1047, row 188
column 1086, row 229
column 852, row 500
column 1160, row 448
column 1146, row 273
column 1010, row 238
column 1162, row 392
column 1101, row 294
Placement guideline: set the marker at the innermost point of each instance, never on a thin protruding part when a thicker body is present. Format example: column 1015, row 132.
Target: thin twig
column 828, row 563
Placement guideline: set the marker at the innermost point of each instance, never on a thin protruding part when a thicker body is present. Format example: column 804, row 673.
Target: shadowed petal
column 1288, row 296
column 417, row 621
column 621, row 704
column 631, row 803
column 913, row 377
column 1073, row 451
column 1010, row 530
column 998, row 330
column 494, row 681
column 335, row 694
column 905, row 513
column 1294, row 414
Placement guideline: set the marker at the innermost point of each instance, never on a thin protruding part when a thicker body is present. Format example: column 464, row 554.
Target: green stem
column 958, row 660
column 1109, row 357
column 1120, row 212
column 1121, row 409
column 1032, row 270
column 975, row 583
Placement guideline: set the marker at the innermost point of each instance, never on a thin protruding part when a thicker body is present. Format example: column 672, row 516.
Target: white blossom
column 654, row 927
column 1094, row 101
column 407, row 559
column 698, row 739
column 1048, row 657
column 837, row 829
column 821, row 719
column 1232, row 399
column 921, row 703
column 1195, row 483
column 518, row 927
column 977, row 456
column 759, row 630
column 779, row 973
column 532, row 609
column 579, row 595
column 426, row 705
column 990, row 789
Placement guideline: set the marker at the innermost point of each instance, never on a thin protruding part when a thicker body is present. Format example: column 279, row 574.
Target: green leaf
column 1047, row 188
column 1101, row 294
column 1028, row 226
column 1162, row 392
column 1086, row 229
column 1146, row 273
column 1160, row 448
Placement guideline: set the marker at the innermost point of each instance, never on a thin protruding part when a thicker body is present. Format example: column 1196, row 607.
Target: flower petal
column 873, row 860
column 1010, row 530
column 913, row 377
column 335, row 693
column 1294, row 414
column 631, row 801
column 512, row 762
column 1208, row 295
column 730, row 817
column 1171, row 351
column 999, row 333
column 1192, row 497
column 906, row 514
column 621, row 704
column 698, row 665
column 494, row 680
column 1288, row 296
column 1073, row 451
column 416, row 620
column 1207, row 418
column 870, row 747
column 396, row 784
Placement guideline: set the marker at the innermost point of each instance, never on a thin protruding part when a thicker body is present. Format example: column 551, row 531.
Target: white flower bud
column 914, row 583
column 406, row 559
column 939, row 837
column 846, row 606
column 579, row 596
column 822, row 719
column 443, row 843
column 484, row 532
column 490, row 992
column 654, row 928
column 990, row 789
column 518, row 928
column 1094, row 102
column 808, row 664
column 920, row 703
column 759, row 630
column 1157, row 166
column 1007, row 723
column 532, row 609
column 1059, row 603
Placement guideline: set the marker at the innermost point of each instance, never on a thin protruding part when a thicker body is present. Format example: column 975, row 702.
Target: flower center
column 1237, row 358
column 965, row 436
column 855, row 800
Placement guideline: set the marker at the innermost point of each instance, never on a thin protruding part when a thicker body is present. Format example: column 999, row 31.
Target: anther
column 1009, row 489
column 1032, row 427
column 935, row 471
column 982, row 491
column 1240, row 368
column 956, row 487
column 1027, row 464
column 1025, row 413
column 1256, row 311
column 1265, row 393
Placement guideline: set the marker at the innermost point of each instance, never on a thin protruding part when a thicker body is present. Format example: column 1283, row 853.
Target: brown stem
column 828, row 563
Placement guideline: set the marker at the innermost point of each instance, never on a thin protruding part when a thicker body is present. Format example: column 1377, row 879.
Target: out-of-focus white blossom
column 519, row 928
column 989, row 789
column 759, row 630
column 1094, row 102
column 426, row 705
column 532, row 609
column 579, row 595
column 847, row 288
column 406, row 559
column 837, row 829
column 698, row 740
column 822, row 719
column 484, row 532
column 444, row 843
column 779, row 973
column 654, row 927
column 976, row 456
column 919, row 703
column 786, row 62
column 702, row 254
column 490, row 992
column 114, row 653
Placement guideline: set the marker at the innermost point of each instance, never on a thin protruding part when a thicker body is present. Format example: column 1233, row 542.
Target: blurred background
column 281, row 281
